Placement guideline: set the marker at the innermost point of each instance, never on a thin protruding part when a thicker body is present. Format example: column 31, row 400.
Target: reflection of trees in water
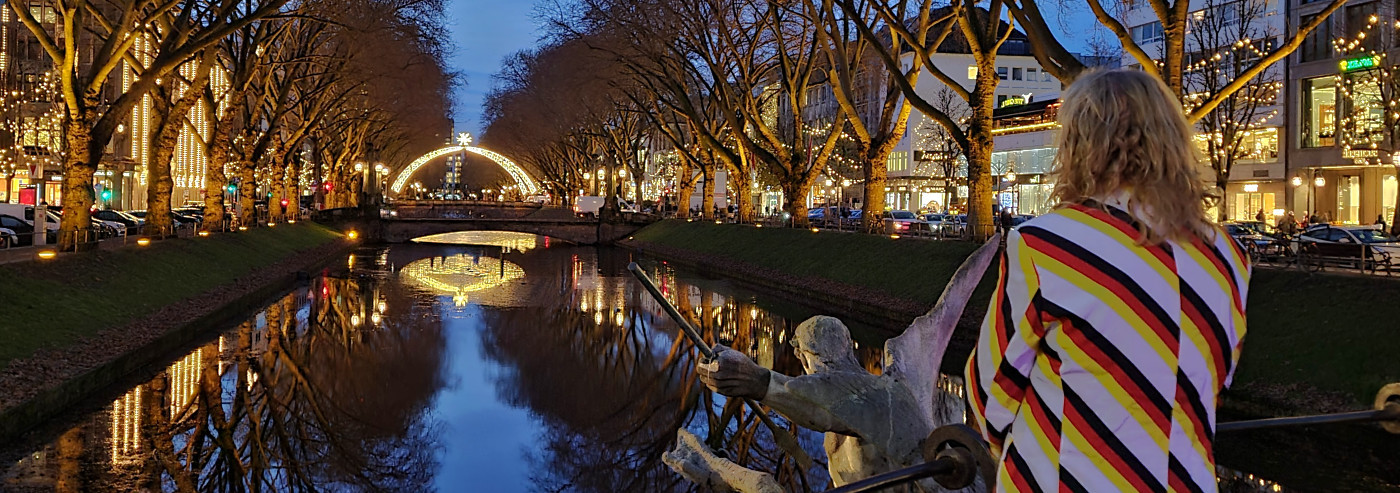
column 607, row 374
column 311, row 395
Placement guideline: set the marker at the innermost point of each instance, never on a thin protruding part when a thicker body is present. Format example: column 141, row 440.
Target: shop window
column 1248, row 204
column 1319, row 113
column 1388, row 191
column 1366, row 109
column 1260, row 145
column 1318, row 44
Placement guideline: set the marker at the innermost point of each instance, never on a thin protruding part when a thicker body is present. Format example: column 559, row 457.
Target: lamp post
column 1015, row 190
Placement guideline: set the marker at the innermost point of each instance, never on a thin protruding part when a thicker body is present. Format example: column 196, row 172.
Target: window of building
column 1147, row 33
column 1349, row 200
column 898, row 161
column 1318, row 44
column 1001, row 72
column 1318, row 125
column 1017, row 74
column 1366, row 107
column 1045, row 77
column 972, row 72
column 1358, row 19
column 1031, row 75
column 1388, row 189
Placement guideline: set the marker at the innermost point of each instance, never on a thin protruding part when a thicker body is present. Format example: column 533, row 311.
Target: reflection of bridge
column 416, row 219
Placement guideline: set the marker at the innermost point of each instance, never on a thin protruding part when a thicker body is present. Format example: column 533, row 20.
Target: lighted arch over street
column 522, row 178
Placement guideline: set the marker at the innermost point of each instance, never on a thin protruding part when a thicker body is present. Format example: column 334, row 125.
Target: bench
column 1361, row 256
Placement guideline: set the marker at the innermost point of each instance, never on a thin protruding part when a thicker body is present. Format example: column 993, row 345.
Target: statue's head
column 824, row 344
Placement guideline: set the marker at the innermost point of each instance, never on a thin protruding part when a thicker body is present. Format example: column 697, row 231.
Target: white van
column 589, row 205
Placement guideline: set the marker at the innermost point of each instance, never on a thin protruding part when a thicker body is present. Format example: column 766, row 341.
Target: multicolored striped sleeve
column 998, row 372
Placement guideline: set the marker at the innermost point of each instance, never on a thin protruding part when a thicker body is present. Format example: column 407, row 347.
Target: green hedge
column 56, row 302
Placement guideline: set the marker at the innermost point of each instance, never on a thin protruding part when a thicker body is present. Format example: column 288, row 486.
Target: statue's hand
column 733, row 374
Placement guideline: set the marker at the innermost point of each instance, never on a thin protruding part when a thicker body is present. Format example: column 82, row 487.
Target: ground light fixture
column 291, row 221
column 242, row 228
column 271, row 225
column 47, row 254
column 352, row 234
column 143, row 241
column 814, row 230
column 894, row 237
column 717, row 221
column 204, row 234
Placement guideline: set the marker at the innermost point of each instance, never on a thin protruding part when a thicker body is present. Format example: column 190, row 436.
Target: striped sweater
column 1100, row 360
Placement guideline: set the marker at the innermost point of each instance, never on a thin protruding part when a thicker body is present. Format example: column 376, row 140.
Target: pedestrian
column 1380, row 221
column 1005, row 221
column 1260, row 216
column 1118, row 316
column 1288, row 225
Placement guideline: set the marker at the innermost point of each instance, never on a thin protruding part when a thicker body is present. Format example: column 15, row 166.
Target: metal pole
column 780, row 435
column 901, row 476
column 1390, row 413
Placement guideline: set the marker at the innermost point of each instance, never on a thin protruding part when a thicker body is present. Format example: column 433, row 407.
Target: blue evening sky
column 484, row 32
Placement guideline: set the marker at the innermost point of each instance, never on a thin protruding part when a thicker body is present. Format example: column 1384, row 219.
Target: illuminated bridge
column 408, row 220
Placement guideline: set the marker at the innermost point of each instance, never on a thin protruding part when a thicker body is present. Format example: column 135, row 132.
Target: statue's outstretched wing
column 914, row 357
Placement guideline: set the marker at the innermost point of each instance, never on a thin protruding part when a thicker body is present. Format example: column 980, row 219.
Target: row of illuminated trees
column 787, row 93
column 285, row 97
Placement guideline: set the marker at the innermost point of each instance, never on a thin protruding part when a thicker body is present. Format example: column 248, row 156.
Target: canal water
column 480, row 362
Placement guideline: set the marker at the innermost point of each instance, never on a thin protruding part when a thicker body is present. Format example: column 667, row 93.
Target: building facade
column 1341, row 137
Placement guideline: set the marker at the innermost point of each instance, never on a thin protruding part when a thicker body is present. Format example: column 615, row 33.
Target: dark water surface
column 504, row 362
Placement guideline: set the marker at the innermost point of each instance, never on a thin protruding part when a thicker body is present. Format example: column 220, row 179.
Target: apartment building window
column 1001, row 72
column 1318, row 124
column 1147, row 33
column 1358, row 17
column 1318, row 44
column 1031, row 75
column 1045, row 76
column 1017, row 74
column 972, row 73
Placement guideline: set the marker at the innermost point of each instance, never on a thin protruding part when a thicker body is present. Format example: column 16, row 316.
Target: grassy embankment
column 1335, row 334
column 54, row 303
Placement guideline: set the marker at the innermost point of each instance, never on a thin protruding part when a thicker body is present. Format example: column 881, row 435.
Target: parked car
column 1355, row 235
column 23, row 231
column 903, row 222
column 132, row 223
column 175, row 219
column 1248, row 236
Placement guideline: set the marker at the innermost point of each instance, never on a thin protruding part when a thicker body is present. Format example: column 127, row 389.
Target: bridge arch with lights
column 528, row 186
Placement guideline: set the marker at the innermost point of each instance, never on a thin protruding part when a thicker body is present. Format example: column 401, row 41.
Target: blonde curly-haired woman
column 1118, row 317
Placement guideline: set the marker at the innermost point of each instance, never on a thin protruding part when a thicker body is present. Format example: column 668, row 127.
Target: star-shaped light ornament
column 464, row 139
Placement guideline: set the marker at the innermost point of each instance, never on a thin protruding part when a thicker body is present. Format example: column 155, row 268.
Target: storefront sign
column 1013, row 101
column 1360, row 154
column 1360, row 63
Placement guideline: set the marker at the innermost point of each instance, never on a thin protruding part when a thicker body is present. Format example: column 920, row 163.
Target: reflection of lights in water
column 510, row 241
column 383, row 306
column 355, row 320
column 598, row 318
column 582, row 306
column 374, row 318
column 459, row 275
column 351, row 263
column 126, row 427
column 619, row 319
column 184, row 381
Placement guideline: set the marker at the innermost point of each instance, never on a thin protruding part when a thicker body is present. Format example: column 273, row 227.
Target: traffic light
column 107, row 194
column 285, row 202
column 232, row 188
column 329, row 186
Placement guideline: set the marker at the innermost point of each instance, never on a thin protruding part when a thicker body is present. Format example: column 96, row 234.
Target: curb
column 35, row 411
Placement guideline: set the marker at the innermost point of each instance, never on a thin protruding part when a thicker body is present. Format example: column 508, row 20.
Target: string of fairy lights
column 1368, row 81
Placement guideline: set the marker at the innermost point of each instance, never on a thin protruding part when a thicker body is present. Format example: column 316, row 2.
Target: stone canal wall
column 38, row 387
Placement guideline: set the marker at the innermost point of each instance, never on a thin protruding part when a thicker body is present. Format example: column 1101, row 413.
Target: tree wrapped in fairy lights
column 33, row 122
column 1369, row 120
column 1229, row 38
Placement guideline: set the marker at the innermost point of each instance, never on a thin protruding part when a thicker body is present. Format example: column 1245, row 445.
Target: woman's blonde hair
column 1124, row 132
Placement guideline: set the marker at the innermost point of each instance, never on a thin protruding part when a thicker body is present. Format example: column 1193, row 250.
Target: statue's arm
column 803, row 401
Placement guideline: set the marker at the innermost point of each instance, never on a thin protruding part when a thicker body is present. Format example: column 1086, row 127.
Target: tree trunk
column 1395, row 218
column 685, row 188
column 247, row 193
column 980, row 193
column 160, row 183
column 743, row 196
column 215, row 181
column 707, row 194
column 795, row 193
column 78, row 196
column 275, row 186
column 876, row 177
column 291, row 186
column 1222, row 178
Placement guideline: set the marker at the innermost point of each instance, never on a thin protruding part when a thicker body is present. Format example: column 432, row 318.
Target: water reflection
column 304, row 396
column 497, row 364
